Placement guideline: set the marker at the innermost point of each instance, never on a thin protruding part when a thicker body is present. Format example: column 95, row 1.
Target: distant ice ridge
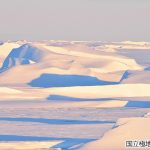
column 82, row 58
column 25, row 54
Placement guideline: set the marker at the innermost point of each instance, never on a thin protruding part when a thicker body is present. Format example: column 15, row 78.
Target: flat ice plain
column 74, row 95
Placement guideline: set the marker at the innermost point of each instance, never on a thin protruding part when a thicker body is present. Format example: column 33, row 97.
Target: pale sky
column 102, row 20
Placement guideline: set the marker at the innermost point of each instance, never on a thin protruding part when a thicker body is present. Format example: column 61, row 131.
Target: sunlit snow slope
column 99, row 82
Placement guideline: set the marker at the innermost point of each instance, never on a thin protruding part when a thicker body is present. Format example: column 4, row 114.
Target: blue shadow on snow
column 55, row 121
column 55, row 80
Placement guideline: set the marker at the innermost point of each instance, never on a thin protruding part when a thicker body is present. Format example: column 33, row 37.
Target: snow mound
column 107, row 91
column 126, row 129
column 9, row 90
column 34, row 145
column 136, row 77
